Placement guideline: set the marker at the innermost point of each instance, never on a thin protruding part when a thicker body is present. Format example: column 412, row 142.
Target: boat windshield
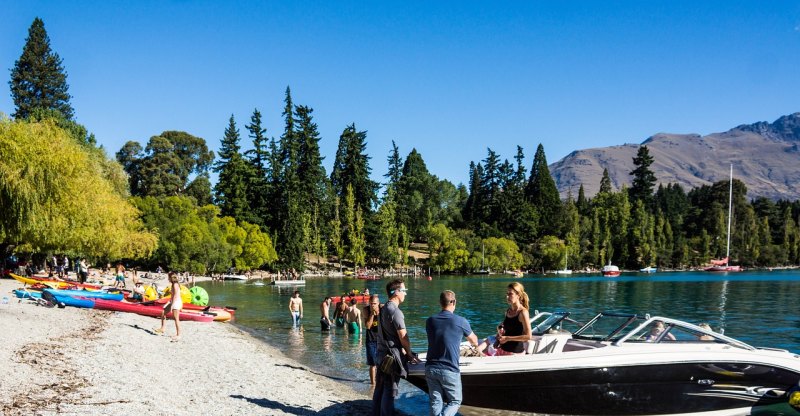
column 608, row 326
column 545, row 322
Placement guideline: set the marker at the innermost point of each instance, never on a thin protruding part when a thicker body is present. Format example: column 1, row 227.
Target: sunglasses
column 400, row 290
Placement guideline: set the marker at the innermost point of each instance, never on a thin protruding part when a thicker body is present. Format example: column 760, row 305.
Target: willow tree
column 54, row 196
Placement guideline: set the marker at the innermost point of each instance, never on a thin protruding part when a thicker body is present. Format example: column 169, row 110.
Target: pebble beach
column 87, row 362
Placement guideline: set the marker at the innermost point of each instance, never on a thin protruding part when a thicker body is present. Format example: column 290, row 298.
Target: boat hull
column 630, row 390
column 722, row 269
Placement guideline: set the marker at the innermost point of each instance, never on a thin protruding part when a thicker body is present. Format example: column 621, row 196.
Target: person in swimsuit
column 296, row 308
column 517, row 322
column 339, row 314
column 371, row 316
column 353, row 317
column 175, row 305
column 325, row 319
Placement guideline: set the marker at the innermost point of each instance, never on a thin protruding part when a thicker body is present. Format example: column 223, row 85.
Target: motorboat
column 628, row 364
column 289, row 282
column 648, row 269
column 610, row 270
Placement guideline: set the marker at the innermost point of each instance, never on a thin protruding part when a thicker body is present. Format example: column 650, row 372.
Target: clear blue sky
column 447, row 78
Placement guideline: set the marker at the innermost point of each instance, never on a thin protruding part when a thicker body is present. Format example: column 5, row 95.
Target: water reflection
column 757, row 308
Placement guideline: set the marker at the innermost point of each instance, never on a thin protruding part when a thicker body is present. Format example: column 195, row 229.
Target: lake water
column 759, row 307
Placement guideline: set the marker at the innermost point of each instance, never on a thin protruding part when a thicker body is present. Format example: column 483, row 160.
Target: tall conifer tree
column 38, row 79
column 258, row 182
column 231, row 189
column 644, row 180
column 543, row 194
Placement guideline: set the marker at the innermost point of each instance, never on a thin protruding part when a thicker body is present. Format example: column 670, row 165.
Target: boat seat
column 551, row 343
column 573, row 345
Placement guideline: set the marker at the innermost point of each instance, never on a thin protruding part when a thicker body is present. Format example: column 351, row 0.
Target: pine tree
column 643, row 178
column 231, row 189
column 38, row 79
column 395, row 168
column 543, row 194
column 311, row 174
column 351, row 167
column 258, row 183
column 605, row 183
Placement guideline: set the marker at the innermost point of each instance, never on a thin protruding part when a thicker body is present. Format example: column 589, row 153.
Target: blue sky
column 447, row 78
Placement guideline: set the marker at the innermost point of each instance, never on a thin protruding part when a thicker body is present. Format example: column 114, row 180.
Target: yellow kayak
column 55, row 284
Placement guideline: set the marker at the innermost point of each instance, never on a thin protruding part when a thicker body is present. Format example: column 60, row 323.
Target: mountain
column 765, row 156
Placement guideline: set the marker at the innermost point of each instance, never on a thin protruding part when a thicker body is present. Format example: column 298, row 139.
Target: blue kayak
column 26, row 294
column 86, row 294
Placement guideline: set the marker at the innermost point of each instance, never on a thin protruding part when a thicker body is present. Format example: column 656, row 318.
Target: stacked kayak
column 223, row 314
column 149, row 310
column 55, row 284
column 79, row 298
column 349, row 298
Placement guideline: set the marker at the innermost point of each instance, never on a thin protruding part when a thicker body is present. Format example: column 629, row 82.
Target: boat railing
column 670, row 324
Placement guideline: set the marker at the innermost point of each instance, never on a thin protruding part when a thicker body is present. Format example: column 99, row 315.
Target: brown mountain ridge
column 765, row 156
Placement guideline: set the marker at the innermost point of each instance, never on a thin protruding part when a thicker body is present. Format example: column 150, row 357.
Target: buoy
column 430, row 278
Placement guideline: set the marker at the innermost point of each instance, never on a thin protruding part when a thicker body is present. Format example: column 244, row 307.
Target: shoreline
column 84, row 361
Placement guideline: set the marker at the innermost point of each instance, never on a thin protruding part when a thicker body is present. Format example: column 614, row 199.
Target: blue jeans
column 295, row 318
column 383, row 396
column 444, row 390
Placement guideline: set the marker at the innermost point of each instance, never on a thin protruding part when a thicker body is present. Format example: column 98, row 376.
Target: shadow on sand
column 352, row 407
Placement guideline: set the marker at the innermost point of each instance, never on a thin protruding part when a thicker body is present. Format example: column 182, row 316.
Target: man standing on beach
column 371, row 314
column 392, row 335
column 442, row 374
column 325, row 320
column 353, row 317
column 296, row 308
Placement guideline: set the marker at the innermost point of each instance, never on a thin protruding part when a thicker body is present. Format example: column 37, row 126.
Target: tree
column 351, row 167
column 643, row 178
column 311, row 174
column 231, row 189
column 54, row 195
column 258, row 189
column 417, row 200
column 395, row 168
column 605, row 183
column 542, row 193
column 38, row 79
column 164, row 167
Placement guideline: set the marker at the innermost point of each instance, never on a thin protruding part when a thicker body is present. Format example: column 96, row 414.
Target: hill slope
column 765, row 156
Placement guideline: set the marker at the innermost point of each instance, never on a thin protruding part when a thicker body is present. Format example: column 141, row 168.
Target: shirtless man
column 353, row 318
column 296, row 308
column 325, row 319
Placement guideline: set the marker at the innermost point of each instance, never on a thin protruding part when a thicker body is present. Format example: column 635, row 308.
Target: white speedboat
column 624, row 364
column 648, row 269
column 289, row 282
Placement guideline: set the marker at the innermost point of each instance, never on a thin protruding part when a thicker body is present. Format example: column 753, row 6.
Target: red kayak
column 223, row 313
column 149, row 310
column 349, row 298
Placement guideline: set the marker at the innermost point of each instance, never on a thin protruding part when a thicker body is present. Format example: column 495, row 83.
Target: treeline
column 275, row 206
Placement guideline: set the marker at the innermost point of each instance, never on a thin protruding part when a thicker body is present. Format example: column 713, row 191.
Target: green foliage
column 164, row 167
column 234, row 176
column 55, row 196
column 448, row 252
column 38, row 79
column 502, row 254
column 197, row 239
column 543, row 194
column 643, row 178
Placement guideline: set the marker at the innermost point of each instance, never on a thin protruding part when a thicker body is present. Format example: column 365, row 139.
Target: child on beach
column 175, row 305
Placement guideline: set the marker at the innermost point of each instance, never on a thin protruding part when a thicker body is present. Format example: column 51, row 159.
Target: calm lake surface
column 761, row 308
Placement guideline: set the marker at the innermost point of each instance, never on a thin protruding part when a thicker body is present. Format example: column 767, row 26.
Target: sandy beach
column 86, row 362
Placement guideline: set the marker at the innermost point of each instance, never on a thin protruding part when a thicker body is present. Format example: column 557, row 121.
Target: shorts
column 120, row 278
column 372, row 354
column 174, row 305
column 353, row 328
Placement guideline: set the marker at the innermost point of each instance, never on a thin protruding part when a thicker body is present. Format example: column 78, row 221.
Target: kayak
column 55, row 284
column 149, row 310
column 85, row 294
column 26, row 294
column 349, row 298
column 68, row 300
column 223, row 314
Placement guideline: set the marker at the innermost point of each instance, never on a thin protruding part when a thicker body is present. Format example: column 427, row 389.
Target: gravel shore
column 86, row 362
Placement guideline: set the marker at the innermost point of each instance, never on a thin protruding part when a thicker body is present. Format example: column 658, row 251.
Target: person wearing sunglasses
column 442, row 373
column 394, row 347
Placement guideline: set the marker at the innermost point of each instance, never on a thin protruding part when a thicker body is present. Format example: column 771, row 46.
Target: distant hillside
column 765, row 157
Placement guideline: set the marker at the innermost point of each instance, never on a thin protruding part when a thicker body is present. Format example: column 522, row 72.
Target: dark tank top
column 513, row 327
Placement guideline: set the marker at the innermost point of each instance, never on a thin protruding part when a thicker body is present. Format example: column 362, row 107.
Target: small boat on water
column 724, row 264
column 610, row 270
column 648, row 269
column 234, row 277
column 628, row 364
column 289, row 282
column 368, row 277
column 565, row 270
column 349, row 298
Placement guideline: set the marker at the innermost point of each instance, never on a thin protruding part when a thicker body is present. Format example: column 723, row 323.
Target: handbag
column 387, row 364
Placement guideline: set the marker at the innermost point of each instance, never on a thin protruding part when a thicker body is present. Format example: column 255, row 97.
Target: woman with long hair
column 516, row 327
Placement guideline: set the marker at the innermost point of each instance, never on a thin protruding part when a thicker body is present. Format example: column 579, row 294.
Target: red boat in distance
column 349, row 298
column 368, row 277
